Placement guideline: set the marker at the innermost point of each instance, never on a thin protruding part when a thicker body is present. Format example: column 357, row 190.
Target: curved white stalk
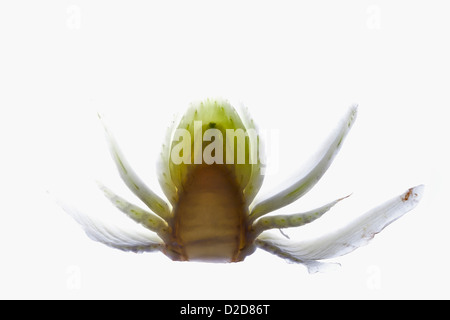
column 141, row 216
column 134, row 183
column 291, row 220
column 312, row 265
column 114, row 236
column 163, row 167
column 257, row 177
column 305, row 183
column 347, row 239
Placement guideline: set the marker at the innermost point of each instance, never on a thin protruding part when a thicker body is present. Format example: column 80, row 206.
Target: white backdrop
column 296, row 66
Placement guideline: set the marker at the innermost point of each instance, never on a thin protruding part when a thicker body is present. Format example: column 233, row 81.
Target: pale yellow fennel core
column 210, row 214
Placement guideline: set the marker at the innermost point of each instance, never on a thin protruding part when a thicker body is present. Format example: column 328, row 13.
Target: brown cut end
column 210, row 217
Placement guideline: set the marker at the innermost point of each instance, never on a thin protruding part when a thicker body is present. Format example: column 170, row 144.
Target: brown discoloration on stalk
column 407, row 195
